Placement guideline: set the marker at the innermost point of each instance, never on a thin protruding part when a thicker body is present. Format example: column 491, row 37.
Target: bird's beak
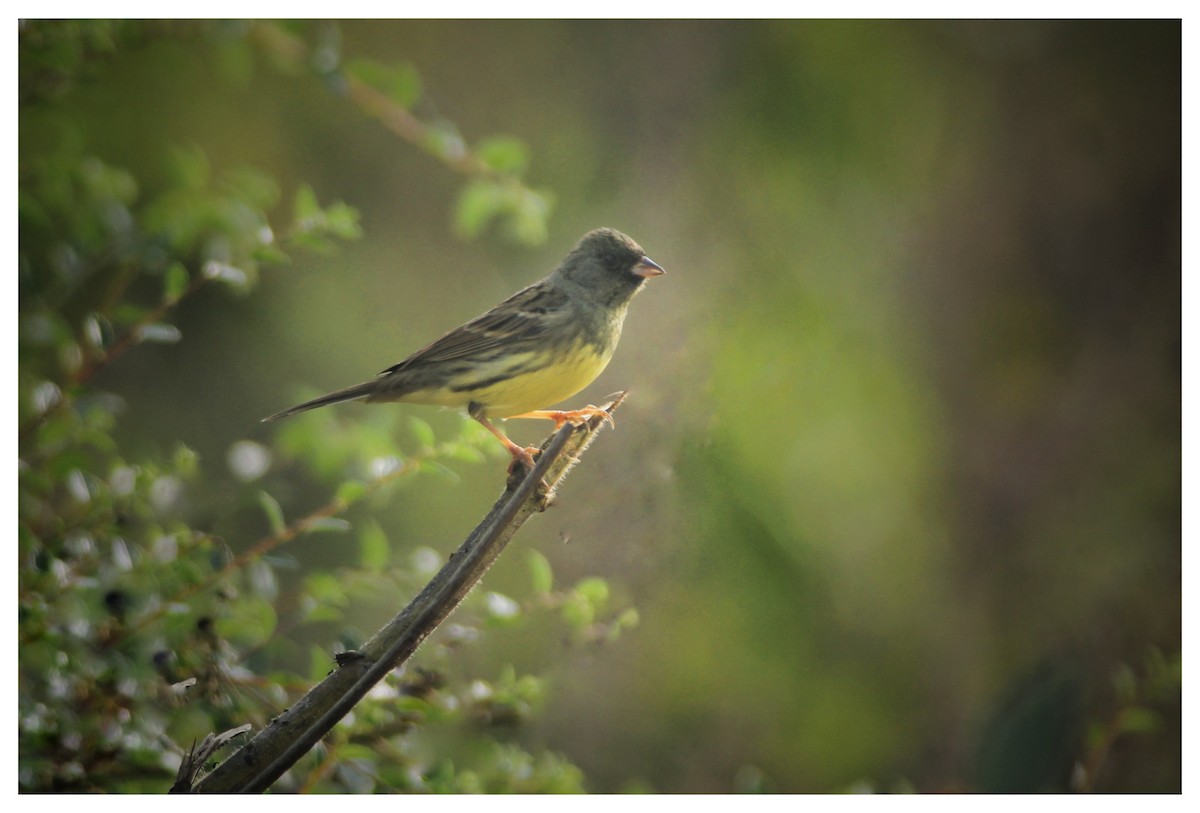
column 647, row 268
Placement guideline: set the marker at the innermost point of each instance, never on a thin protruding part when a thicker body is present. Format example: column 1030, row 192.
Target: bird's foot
column 575, row 416
column 524, row 457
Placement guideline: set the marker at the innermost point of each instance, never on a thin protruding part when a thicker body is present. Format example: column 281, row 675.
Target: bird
column 540, row 346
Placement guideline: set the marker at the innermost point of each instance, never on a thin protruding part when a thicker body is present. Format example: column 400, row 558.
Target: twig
column 294, row 732
column 291, row 50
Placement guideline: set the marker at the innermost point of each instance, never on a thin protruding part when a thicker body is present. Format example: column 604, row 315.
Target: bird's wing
column 510, row 326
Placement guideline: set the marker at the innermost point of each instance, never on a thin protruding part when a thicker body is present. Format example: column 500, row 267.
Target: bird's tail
column 335, row 397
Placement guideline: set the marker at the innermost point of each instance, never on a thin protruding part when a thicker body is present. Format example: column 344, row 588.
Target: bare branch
column 294, row 732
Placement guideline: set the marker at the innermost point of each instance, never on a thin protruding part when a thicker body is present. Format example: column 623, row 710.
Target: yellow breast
column 512, row 395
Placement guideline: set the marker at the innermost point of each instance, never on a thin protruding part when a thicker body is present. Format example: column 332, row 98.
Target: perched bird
column 538, row 347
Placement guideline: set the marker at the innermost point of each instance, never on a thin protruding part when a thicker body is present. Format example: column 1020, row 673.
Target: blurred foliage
column 141, row 630
column 897, row 491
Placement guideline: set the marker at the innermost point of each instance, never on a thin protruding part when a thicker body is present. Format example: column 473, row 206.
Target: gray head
column 609, row 266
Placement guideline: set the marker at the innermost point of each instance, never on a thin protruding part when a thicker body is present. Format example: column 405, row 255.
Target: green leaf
column 443, row 140
column 273, row 511
column 439, row 468
column 53, row 330
column 400, row 83
column 325, row 588
column 159, row 333
column 373, row 547
column 105, row 182
column 1164, row 674
column 480, row 201
column 465, row 452
column 351, row 491
column 224, row 272
column 529, row 216
column 353, row 750
column 594, row 589
column 249, row 622
column 270, row 255
column 422, row 431
column 305, row 206
column 126, row 314
column 315, row 612
column 312, row 226
column 540, row 570
column 1139, row 720
column 342, row 221
column 578, row 612
column 185, row 460
column 175, row 282
column 256, row 188
column 262, row 580
column 327, row 524
column 98, row 331
column 504, row 154
column 500, row 607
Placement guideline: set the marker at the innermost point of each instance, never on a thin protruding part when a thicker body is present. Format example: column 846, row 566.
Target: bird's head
column 609, row 265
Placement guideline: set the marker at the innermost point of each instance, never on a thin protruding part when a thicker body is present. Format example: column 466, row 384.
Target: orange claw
column 575, row 416
column 525, row 454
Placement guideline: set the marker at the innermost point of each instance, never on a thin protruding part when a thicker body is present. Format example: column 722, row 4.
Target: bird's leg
column 521, row 453
column 575, row 416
